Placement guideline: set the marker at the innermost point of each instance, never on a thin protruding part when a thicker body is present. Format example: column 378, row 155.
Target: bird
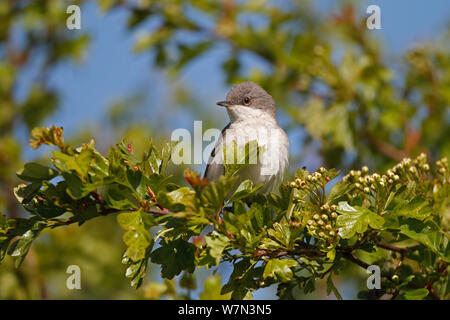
column 252, row 114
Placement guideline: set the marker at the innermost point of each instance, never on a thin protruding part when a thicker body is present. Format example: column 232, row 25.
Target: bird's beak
column 224, row 103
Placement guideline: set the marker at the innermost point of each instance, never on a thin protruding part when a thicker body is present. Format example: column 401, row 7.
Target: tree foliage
column 398, row 219
column 328, row 74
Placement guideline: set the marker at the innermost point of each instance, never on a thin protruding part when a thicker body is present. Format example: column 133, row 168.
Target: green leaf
column 244, row 190
column 279, row 269
column 137, row 238
column 24, row 243
column 25, row 193
column 356, row 220
column 235, row 158
column 417, row 294
column 426, row 235
column 338, row 191
column 216, row 192
column 217, row 243
column 76, row 189
column 181, row 199
column 418, row 208
column 174, row 257
column 35, row 172
column 120, row 198
column 78, row 163
column 331, row 288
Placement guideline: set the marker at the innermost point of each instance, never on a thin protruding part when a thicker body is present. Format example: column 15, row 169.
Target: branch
column 153, row 196
column 294, row 252
column 349, row 256
column 391, row 248
column 107, row 211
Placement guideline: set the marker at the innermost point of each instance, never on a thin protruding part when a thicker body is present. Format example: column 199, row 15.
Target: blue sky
column 111, row 70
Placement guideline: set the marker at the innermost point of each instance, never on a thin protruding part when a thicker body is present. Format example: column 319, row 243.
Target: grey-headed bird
column 252, row 118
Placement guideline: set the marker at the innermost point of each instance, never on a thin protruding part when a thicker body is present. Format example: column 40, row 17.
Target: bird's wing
column 214, row 167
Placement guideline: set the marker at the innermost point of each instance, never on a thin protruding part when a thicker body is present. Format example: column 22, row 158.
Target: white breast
column 273, row 161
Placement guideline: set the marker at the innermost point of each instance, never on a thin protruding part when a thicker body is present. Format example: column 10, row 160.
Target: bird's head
column 247, row 100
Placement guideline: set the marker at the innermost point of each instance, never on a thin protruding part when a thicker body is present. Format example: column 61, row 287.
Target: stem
column 349, row 256
column 294, row 252
column 153, row 196
column 391, row 248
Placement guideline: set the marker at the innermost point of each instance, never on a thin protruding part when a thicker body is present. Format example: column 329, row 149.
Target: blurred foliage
column 326, row 72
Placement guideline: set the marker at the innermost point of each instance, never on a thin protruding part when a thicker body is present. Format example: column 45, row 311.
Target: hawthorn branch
column 351, row 257
column 390, row 247
column 295, row 252
column 106, row 211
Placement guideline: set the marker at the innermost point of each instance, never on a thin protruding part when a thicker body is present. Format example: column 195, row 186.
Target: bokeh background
column 137, row 70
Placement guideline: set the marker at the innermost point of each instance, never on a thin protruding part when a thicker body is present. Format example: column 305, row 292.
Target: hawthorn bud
column 320, row 222
column 406, row 161
column 389, row 173
column 367, row 190
column 426, row 167
column 322, row 170
column 292, row 184
column 321, row 234
column 334, row 215
column 324, row 217
column 316, row 217
column 328, row 227
column 334, row 207
column 332, row 233
column 365, row 169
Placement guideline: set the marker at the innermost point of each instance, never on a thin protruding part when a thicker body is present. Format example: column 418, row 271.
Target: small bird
column 252, row 118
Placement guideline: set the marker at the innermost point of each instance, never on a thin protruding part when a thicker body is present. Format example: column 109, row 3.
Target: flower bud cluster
column 311, row 180
column 442, row 166
column 323, row 223
column 364, row 183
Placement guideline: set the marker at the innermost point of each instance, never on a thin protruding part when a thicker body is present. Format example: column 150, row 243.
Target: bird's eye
column 246, row 100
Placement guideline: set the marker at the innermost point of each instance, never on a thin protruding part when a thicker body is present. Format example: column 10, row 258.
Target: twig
column 153, row 196
column 391, row 248
column 295, row 252
column 349, row 256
